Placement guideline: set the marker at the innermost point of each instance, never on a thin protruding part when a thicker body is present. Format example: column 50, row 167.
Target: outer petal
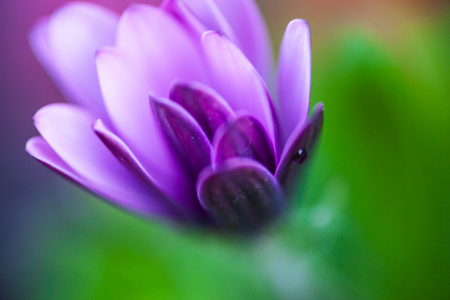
column 162, row 45
column 241, row 21
column 41, row 150
column 244, row 137
column 207, row 107
column 238, row 82
column 294, row 76
column 66, row 44
column 127, row 158
column 298, row 147
column 241, row 195
column 134, row 197
column 153, row 49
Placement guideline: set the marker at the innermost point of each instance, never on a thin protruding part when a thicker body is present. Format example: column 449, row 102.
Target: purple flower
column 171, row 115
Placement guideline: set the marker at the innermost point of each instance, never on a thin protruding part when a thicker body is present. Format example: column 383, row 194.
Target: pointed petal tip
column 299, row 146
column 299, row 22
column 45, row 110
column 38, row 30
column 32, row 143
column 132, row 9
column 99, row 128
column 98, row 125
column 104, row 53
column 211, row 34
column 182, row 84
column 243, row 137
column 156, row 103
column 317, row 112
column 319, row 106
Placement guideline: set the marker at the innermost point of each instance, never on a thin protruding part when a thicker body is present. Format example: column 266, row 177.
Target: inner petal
column 298, row 148
column 206, row 106
column 244, row 137
column 189, row 142
column 241, row 195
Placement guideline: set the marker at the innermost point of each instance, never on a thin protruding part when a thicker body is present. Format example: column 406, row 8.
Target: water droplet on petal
column 300, row 157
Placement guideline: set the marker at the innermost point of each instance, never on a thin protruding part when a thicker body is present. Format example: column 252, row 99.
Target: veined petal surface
column 241, row 195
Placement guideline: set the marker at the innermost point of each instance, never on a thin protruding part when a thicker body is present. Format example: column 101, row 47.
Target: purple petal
column 241, row 195
column 240, row 21
column 294, row 76
column 66, row 44
column 41, row 150
column 210, row 15
column 68, row 130
column 151, row 38
column 131, row 196
column 148, row 57
column 298, row 148
column 204, row 104
column 186, row 137
column 238, row 82
column 184, row 15
column 121, row 151
column 126, row 157
column 245, row 137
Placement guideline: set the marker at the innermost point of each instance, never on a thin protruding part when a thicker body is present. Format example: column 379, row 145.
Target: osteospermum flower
column 170, row 114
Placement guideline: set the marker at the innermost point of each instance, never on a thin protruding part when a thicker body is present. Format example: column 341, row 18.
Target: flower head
column 171, row 115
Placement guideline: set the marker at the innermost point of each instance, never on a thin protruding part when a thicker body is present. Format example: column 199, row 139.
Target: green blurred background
column 371, row 220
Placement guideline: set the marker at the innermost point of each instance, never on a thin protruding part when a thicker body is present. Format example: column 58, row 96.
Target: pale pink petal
column 66, row 44
column 294, row 76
